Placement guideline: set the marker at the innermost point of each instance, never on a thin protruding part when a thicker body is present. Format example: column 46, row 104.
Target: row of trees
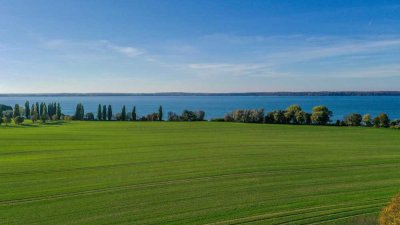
column 105, row 113
column 320, row 115
column 294, row 114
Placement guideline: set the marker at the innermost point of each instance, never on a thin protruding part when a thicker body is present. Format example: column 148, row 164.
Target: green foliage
column 134, row 116
column 320, row 115
column 109, row 112
column 27, row 110
column 367, row 120
column 89, row 116
column 18, row 120
column 382, row 120
column 104, row 113
column 7, row 116
column 79, row 112
column 353, row 119
column 187, row 115
column 247, row 115
column 4, row 108
column 44, row 116
column 58, row 111
column 123, row 114
column 99, row 113
column 16, row 111
column 160, row 113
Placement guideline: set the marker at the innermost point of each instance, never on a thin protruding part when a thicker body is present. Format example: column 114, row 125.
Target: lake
column 217, row 106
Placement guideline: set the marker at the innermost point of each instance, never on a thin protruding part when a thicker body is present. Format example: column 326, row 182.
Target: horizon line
column 268, row 93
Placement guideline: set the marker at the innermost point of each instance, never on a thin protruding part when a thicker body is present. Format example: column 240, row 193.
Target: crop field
column 194, row 173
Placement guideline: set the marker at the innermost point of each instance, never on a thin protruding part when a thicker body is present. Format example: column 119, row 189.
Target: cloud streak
column 93, row 46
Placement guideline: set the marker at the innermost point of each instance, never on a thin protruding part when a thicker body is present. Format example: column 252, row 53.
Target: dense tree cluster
column 42, row 111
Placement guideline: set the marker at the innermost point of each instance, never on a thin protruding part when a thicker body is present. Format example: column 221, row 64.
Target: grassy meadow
column 194, row 173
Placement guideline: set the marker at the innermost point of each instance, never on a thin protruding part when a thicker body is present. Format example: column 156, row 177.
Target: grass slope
column 194, row 173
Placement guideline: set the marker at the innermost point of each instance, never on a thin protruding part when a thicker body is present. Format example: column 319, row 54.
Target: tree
column 367, row 120
column 44, row 115
column 16, row 111
column 27, row 110
column 134, row 113
column 58, row 111
column 104, row 113
column 89, row 116
column 4, row 108
column 291, row 112
column 353, row 119
column 7, row 116
column 109, row 112
column 34, row 113
column 279, row 117
column 79, row 112
column 160, row 113
column 320, row 115
column 99, row 115
column 123, row 113
column 390, row 215
column 382, row 120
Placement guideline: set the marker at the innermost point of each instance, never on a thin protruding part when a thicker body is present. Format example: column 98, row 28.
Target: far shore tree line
column 294, row 114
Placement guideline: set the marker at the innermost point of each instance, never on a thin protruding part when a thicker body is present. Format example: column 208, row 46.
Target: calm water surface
column 217, row 106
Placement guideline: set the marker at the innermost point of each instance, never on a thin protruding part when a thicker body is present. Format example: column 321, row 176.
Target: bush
column 390, row 215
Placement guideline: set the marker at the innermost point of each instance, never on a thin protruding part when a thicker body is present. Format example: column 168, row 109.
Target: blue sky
column 198, row 46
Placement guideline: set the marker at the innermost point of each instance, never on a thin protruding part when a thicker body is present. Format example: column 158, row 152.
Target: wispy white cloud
column 98, row 45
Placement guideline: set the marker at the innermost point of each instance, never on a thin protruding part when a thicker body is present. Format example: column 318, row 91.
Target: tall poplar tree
column 160, row 113
column 134, row 113
column 123, row 114
column 99, row 115
column 27, row 110
column 16, row 111
column 104, row 112
column 109, row 112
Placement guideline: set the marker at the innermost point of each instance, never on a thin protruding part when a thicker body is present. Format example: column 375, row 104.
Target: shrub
column 390, row 215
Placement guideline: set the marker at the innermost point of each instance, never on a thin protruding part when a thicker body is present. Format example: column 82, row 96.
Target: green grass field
column 194, row 173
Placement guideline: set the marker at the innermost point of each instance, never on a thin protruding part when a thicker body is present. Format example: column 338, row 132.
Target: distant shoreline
column 320, row 93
